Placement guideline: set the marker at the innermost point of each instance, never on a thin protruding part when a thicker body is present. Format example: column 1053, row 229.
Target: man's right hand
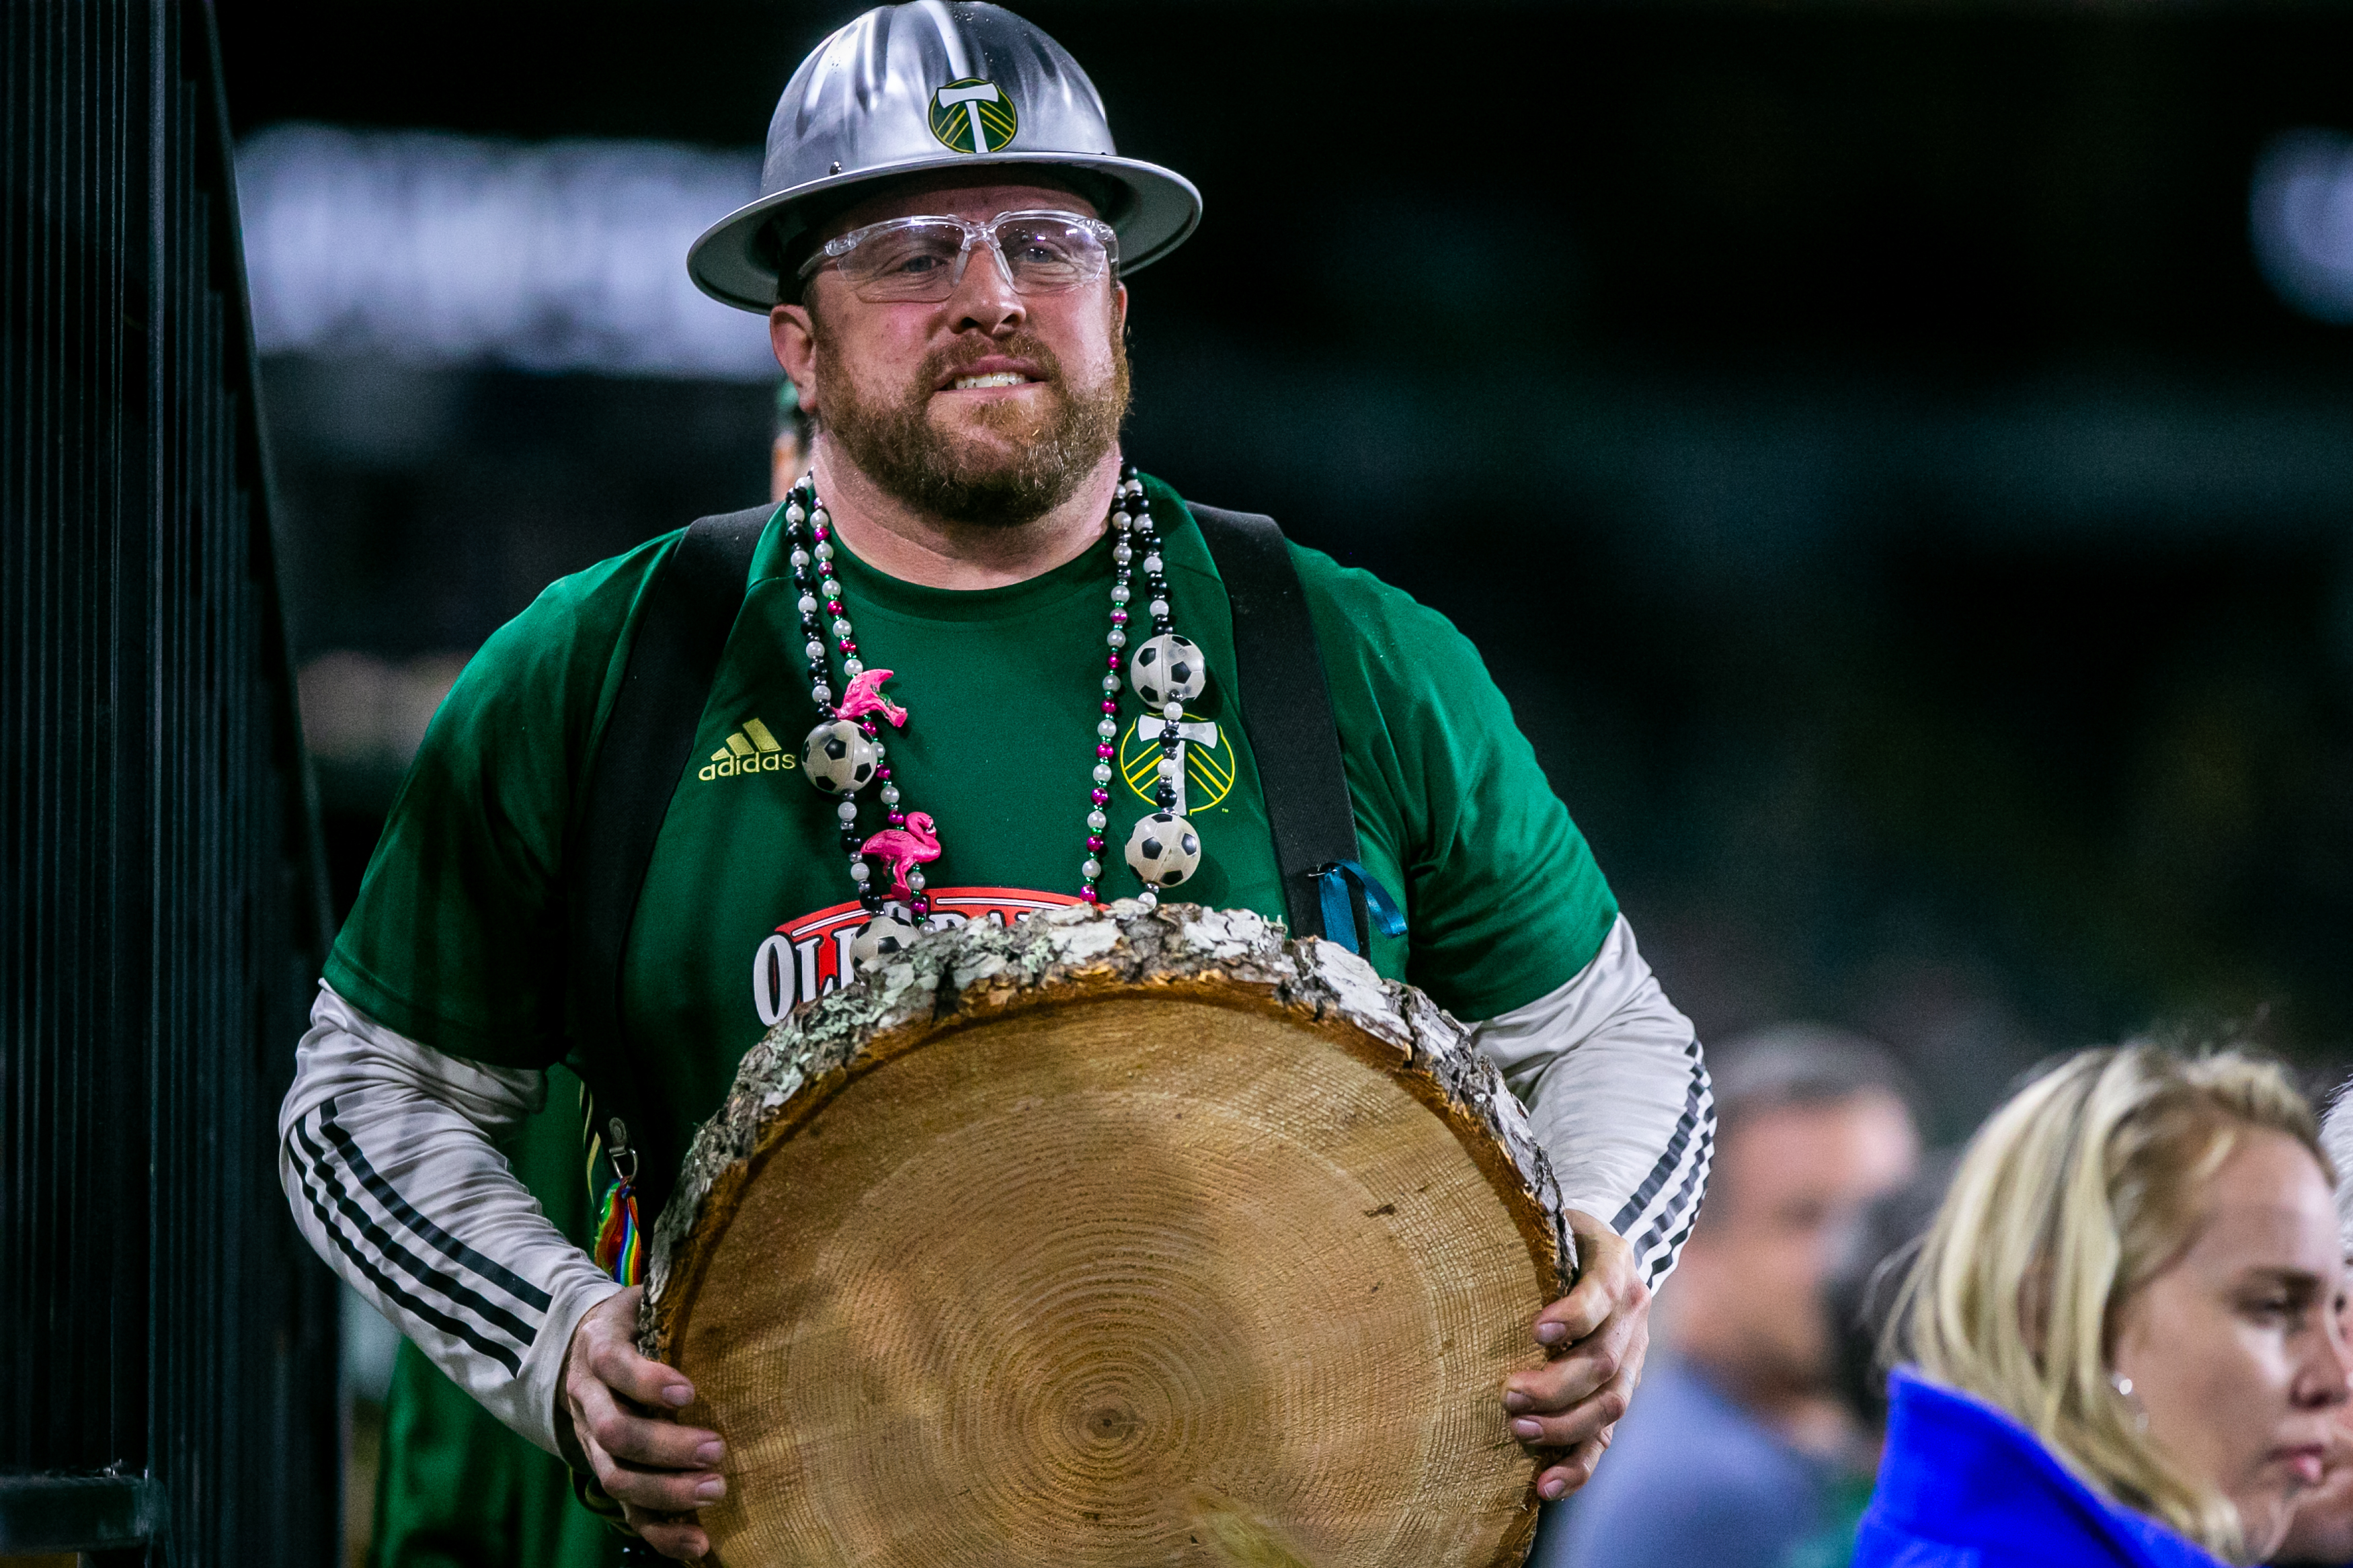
column 621, row 1427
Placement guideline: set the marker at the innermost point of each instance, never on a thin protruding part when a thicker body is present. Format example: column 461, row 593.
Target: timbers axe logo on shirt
column 810, row 957
column 1207, row 774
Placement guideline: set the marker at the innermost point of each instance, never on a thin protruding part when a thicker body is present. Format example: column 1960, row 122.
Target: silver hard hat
column 905, row 89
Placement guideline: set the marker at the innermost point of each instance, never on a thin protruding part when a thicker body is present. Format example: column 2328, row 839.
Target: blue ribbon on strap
column 1339, row 912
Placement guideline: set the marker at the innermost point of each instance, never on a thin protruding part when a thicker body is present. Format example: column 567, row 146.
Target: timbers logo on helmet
column 908, row 89
column 973, row 116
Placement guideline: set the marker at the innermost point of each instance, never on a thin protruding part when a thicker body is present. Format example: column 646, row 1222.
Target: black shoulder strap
column 691, row 608
column 1287, row 713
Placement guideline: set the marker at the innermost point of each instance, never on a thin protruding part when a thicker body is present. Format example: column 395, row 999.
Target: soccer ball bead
column 837, row 758
column 1168, row 668
column 1164, row 850
column 883, row 936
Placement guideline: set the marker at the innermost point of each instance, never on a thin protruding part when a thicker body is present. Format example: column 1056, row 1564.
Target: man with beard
column 967, row 586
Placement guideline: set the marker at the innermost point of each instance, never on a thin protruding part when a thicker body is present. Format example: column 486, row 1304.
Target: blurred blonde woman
column 2123, row 1327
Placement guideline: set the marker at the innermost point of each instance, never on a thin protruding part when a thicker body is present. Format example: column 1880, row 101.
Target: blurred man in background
column 1733, row 1459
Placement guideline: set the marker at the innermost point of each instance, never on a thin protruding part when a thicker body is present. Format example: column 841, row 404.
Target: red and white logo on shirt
column 810, row 957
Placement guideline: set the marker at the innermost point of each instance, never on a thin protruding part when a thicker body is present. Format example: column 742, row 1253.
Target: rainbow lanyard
column 620, row 1249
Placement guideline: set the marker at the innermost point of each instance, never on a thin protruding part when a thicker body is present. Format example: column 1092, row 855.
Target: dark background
column 1913, row 535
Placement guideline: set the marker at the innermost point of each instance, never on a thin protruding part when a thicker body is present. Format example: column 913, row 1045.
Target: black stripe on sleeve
column 457, row 1328
column 486, row 1311
column 422, row 1228
column 1664, row 1169
column 1684, row 1195
column 1675, row 1246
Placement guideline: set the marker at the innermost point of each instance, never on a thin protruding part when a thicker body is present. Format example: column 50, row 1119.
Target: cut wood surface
column 1122, row 1237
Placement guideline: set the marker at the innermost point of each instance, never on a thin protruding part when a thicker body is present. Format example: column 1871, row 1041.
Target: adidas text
column 750, row 750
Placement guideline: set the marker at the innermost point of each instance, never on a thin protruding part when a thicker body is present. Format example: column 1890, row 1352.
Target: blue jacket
column 1963, row 1486
column 1692, row 1482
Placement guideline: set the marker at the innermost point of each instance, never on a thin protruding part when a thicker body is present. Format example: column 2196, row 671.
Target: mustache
column 975, row 346
column 1053, row 444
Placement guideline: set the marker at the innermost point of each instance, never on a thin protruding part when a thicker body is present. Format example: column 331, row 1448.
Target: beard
column 956, row 480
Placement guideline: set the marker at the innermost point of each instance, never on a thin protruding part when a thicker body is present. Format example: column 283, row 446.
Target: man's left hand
column 1566, row 1410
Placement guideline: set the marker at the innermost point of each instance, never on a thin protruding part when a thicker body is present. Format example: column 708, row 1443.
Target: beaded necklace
column 846, row 752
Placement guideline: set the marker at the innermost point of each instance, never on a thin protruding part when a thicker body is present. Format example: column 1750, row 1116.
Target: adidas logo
column 750, row 750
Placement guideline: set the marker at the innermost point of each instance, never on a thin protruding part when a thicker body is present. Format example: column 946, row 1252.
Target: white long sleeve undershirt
column 1617, row 1092
column 386, row 1151
column 387, row 1155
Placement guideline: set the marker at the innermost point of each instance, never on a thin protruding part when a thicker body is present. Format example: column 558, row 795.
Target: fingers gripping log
column 1113, row 1238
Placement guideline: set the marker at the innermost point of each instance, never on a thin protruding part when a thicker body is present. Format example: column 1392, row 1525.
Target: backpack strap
column 690, row 608
column 1287, row 713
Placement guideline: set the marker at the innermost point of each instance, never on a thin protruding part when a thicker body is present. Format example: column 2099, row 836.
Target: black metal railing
column 168, row 1385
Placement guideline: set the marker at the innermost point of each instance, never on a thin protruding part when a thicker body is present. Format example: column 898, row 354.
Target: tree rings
column 1117, row 1237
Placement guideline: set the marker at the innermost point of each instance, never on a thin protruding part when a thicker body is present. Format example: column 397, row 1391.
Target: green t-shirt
column 458, row 938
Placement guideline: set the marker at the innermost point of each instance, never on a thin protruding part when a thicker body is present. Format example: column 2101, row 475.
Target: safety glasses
column 923, row 259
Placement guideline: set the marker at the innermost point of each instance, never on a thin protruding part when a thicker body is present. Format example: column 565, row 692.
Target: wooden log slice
column 1118, row 1238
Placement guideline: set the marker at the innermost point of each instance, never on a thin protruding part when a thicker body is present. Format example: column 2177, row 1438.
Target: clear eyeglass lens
column 915, row 262
column 1044, row 255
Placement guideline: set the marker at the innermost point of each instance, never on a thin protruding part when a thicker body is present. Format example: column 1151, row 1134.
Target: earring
column 2124, row 1387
